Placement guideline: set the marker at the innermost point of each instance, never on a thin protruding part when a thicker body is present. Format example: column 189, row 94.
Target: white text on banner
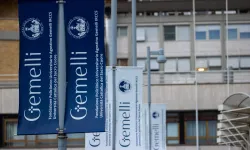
column 103, row 140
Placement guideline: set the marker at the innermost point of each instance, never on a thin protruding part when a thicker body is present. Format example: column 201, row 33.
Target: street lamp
column 161, row 59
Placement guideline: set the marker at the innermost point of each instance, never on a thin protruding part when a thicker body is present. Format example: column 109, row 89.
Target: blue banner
column 38, row 112
column 85, row 109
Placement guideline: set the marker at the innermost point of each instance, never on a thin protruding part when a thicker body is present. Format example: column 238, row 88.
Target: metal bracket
column 61, row 2
column 113, row 67
column 62, row 135
column 158, row 52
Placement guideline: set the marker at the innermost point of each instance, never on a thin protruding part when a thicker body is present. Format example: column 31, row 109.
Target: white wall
column 177, row 48
column 122, row 47
column 9, row 101
column 239, row 47
column 142, row 48
column 208, row 48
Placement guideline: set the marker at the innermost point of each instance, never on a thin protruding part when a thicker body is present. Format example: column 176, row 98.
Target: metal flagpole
column 196, row 86
column 62, row 138
column 134, row 50
column 228, row 88
column 113, row 53
column 113, row 63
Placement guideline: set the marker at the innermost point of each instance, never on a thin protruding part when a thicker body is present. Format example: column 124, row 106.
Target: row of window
column 180, row 130
column 211, row 63
column 9, row 137
column 182, row 32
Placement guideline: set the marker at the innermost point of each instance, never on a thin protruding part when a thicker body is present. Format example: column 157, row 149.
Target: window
column 201, row 63
column 122, row 62
column 182, row 33
column 200, row 35
column 140, row 35
column 214, row 34
column 169, row 33
column 183, row 65
column 207, row 128
column 210, row 63
column 179, row 33
column 177, row 65
column 154, row 65
column 122, row 31
column 212, row 31
column 152, row 34
column 141, row 63
column 207, row 132
column 234, row 62
column 10, row 138
column 170, row 65
column 173, row 128
column 214, row 63
column 241, row 31
column 244, row 30
column 245, row 35
column 201, row 32
column 181, row 128
column 245, row 62
column 76, row 139
column 239, row 62
column 149, row 34
column 232, row 34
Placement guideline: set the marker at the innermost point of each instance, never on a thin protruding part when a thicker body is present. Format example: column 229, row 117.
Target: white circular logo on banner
column 32, row 28
column 78, row 27
column 124, row 86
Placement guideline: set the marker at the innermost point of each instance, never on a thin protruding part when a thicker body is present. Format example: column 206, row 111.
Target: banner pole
column 149, row 95
column 134, row 50
column 113, row 63
column 62, row 138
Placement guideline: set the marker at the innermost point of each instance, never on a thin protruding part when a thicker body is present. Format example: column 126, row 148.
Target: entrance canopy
column 234, row 120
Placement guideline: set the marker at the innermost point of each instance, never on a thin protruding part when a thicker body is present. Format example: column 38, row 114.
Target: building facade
column 207, row 60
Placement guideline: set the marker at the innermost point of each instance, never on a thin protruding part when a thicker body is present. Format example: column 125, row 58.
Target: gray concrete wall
column 182, row 97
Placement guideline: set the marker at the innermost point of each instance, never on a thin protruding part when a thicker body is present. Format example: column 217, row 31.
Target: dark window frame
column 168, row 34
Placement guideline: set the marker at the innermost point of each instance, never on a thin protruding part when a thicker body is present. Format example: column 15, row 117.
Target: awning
column 234, row 120
column 239, row 100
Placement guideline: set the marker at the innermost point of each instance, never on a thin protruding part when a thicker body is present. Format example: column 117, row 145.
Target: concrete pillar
column 161, row 35
column 192, row 52
column 161, row 42
column 223, row 43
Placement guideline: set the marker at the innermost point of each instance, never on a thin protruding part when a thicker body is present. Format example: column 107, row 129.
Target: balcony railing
column 206, row 77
